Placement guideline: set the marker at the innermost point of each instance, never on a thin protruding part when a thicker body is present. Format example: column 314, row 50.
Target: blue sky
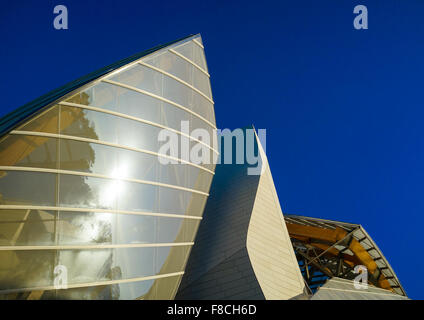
column 343, row 108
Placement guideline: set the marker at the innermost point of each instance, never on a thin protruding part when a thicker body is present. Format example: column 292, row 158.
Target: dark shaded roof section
column 16, row 117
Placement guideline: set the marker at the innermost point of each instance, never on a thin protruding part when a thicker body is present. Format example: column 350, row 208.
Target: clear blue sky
column 343, row 108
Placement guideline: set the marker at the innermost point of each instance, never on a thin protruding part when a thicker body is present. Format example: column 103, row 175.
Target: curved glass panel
column 193, row 52
column 116, row 130
column 123, row 291
column 27, row 188
column 29, row 151
column 38, row 227
column 27, row 227
column 46, row 121
column 35, row 268
column 165, row 87
column 143, row 228
column 182, row 69
column 26, row 269
column 135, row 104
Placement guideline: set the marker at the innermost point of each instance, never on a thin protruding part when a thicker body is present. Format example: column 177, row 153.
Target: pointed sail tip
column 17, row 116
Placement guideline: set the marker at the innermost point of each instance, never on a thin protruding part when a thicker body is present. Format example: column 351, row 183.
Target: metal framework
column 327, row 249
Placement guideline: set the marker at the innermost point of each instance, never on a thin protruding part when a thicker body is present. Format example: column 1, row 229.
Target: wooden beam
column 361, row 255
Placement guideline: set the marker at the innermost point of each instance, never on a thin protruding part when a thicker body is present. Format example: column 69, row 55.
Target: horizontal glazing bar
column 94, row 284
column 100, row 246
column 75, row 209
column 87, row 174
column 62, row 136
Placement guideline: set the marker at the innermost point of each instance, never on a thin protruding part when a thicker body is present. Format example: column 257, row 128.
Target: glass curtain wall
column 83, row 196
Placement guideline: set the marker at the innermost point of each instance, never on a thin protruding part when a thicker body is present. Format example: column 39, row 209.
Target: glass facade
column 82, row 187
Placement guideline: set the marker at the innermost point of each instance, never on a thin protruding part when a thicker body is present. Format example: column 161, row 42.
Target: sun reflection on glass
column 111, row 191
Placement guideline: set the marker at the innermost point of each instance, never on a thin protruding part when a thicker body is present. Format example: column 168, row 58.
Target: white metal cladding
column 268, row 242
column 79, row 186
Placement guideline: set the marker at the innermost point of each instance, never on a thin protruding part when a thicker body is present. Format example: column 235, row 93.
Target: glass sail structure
column 87, row 208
